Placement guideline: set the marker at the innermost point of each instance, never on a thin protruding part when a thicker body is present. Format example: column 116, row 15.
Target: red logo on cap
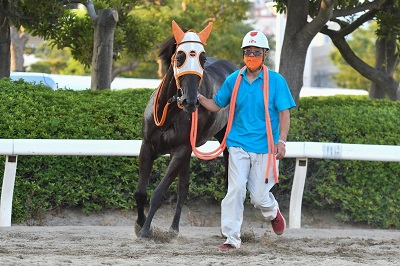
column 253, row 33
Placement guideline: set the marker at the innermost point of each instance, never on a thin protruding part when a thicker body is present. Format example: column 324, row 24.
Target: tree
column 227, row 17
column 387, row 56
column 363, row 45
column 5, row 40
column 56, row 61
column 306, row 18
column 55, row 21
column 362, row 42
column 137, row 27
column 298, row 35
column 105, row 22
column 18, row 41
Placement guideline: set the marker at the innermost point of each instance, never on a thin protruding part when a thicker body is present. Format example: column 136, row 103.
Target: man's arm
column 284, row 121
column 209, row 104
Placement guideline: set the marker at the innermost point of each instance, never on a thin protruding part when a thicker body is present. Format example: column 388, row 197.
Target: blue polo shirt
column 249, row 130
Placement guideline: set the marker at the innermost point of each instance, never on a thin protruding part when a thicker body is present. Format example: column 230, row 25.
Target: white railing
column 13, row 148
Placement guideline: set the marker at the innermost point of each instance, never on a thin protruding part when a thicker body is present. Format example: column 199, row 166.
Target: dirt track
column 108, row 238
column 118, row 245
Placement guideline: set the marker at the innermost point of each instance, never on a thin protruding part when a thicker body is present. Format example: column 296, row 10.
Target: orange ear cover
column 178, row 32
column 204, row 34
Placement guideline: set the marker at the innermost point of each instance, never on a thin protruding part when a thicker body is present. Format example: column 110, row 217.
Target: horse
column 175, row 100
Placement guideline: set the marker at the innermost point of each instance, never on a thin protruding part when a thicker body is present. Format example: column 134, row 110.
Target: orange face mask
column 252, row 62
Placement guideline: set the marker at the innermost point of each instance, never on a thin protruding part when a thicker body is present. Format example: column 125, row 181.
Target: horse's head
column 188, row 64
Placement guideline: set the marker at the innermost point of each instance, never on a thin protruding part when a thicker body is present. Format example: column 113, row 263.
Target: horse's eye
column 180, row 58
column 202, row 59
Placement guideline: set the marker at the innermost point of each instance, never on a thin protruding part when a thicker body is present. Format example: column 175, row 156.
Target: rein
column 165, row 110
column 213, row 154
column 161, row 122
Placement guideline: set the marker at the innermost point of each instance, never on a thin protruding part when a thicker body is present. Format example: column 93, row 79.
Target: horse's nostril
column 186, row 103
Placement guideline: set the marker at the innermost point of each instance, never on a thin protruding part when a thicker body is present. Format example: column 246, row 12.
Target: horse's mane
column 167, row 49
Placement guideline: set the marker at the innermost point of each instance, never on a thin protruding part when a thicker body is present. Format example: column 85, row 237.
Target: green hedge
column 365, row 192
column 360, row 191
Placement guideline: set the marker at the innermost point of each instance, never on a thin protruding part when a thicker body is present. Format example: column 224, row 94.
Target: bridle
column 192, row 64
column 186, row 60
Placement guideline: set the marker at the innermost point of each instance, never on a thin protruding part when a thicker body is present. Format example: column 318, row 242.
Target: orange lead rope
column 164, row 114
column 193, row 131
column 271, row 146
column 213, row 154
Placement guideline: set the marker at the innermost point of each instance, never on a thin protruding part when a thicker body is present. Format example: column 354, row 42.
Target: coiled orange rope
column 213, row 154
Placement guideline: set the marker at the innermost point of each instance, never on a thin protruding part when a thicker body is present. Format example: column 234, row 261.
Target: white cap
column 255, row 38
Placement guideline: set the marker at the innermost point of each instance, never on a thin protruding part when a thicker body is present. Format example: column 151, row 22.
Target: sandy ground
column 72, row 238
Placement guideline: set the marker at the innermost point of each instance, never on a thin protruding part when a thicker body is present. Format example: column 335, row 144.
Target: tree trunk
column 104, row 27
column 386, row 61
column 5, row 42
column 298, row 36
column 18, row 41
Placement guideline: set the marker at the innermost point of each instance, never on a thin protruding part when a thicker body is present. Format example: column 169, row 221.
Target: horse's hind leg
column 146, row 161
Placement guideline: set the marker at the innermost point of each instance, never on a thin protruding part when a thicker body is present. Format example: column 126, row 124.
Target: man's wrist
column 282, row 141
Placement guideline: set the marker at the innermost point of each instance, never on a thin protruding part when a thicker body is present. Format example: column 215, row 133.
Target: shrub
column 361, row 191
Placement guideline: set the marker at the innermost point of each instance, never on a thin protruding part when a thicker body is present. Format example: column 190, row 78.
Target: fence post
column 7, row 191
column 296, row 196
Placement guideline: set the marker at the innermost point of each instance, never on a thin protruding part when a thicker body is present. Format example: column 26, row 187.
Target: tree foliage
column 362, row 43
column 386, row 54
column 74, row 29
column 227, row 17
column 306, row 18
column 141, row 26
column 56, row 61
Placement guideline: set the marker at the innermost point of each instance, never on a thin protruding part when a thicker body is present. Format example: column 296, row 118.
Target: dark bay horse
column 189, row 72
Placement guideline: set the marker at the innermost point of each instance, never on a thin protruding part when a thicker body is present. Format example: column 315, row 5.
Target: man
column 257, row 138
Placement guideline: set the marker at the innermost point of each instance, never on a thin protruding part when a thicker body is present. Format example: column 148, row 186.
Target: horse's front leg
column 146, row 160
column 178, row 157
column 183, row 190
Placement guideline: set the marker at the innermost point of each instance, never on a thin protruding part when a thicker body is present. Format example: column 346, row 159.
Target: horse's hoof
column 137, row 229
column 142, row 234
column 173, row 233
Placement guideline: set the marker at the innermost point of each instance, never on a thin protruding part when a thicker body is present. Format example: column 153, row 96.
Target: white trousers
column 246, row 168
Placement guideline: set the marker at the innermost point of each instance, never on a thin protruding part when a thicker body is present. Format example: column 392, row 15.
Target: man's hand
column 280, row 150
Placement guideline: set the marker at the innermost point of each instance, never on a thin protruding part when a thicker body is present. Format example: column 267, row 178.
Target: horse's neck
column 169, row 88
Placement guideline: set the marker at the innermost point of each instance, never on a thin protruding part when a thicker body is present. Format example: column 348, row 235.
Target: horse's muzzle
column 190, row 106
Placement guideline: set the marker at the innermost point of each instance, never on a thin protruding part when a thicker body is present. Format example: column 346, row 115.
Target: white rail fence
column 12, row 148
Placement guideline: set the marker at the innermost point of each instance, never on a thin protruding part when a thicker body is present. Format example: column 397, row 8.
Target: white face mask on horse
column 192, row 49
column 189, row 59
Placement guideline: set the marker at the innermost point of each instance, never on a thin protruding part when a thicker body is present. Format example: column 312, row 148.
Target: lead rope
column 213, row 154
column 271, row 146
column 164, row 114
column 193, row 131
column 165, row 110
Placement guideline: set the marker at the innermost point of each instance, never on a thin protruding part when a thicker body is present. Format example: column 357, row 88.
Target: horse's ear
column 205, row 33
column 178, row 32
